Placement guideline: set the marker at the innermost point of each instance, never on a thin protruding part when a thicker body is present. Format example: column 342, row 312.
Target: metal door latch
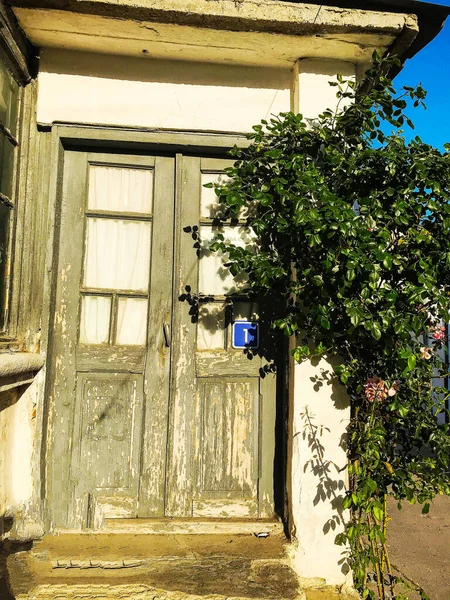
column 167, row 337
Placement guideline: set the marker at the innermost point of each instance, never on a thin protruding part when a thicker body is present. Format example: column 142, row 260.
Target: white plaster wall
column 312, row 92
column 91, row 88
column 17, row 416
column 19, row 461
column 320, row 409
column 321, row 414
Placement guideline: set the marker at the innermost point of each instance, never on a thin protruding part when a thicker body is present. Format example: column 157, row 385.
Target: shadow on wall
column 6, row 550
column 330, row 477
column 10, row 397
column 5, row 594
column 163, row 71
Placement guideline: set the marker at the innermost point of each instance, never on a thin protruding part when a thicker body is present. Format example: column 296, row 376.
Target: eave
column 250, row 32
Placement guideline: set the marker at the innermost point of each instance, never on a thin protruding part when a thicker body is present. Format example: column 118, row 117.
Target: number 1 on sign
column 245, row 334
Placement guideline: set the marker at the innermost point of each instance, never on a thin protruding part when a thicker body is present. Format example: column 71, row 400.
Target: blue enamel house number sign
column 245, row 334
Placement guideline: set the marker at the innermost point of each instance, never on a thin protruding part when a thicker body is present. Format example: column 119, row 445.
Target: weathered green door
column 222, row 420
column 154, row 413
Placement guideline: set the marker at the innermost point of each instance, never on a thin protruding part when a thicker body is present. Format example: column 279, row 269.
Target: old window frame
column 10, row 125
column 19, row 60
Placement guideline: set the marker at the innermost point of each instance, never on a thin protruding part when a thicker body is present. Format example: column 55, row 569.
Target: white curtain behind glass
column 211, row 327
column 214, row 277
column 95, row 313
column 117, row 254
column 120, row 189
column 132, row 321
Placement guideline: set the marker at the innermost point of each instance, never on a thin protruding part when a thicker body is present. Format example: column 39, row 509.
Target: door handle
column 167, row 336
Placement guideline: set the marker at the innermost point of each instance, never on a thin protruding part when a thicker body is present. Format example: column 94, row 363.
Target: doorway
column 155, row 411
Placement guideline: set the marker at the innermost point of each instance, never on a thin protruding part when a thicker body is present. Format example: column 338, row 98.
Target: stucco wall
column 88, row 88
column 320, row 417
column 320, row 409
column 312, row 92
column 18, row 409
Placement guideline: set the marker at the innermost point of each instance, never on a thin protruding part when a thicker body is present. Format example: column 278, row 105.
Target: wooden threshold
column 259, row 528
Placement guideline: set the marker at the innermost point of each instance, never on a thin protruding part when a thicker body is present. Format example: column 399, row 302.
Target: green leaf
column 355, row 319
column 351, row 533
column 347, row 502
column 301, row 352
column 376, row 331
column 320, row 348
column 389, row 467
column 378, row 512
column 325, row 323
column 403, row 411
column 387, row 261
column 317, row 280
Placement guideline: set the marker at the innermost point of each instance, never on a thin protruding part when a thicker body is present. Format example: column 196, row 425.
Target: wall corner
column 311, row 93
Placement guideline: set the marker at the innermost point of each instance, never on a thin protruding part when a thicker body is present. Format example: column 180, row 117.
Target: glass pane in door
column 117, row 254
column 120, row 189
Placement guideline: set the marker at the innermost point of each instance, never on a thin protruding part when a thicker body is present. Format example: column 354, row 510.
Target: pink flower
column 393, row 389
column 438, row 332
column 426, row 353
column 375, row 389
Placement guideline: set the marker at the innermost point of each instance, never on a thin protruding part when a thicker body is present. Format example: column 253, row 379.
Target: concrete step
column 156, row 566
column 141, row 592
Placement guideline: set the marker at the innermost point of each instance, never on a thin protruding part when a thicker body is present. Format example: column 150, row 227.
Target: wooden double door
column 153, row 412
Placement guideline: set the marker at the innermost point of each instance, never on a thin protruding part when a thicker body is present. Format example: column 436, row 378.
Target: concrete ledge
column 243, row 15
column 143, row 592
column 249, row 32
column 18, row 368
column 19, row 362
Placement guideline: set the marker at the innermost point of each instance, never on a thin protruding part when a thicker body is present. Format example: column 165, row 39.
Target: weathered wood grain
column 226, row 363
column 66, row 511
column 157, row 368
column 182, row 416
column 228, row 444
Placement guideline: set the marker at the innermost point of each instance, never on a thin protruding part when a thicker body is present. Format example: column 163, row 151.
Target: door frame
column 60, row 138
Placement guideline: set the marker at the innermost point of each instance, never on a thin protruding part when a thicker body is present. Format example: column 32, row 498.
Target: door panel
column 221, row 408
column 111, row 362
column 107, row 435
column 227, row 458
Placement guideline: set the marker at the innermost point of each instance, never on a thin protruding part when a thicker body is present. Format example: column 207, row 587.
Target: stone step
column 153, row 566
column 119, row 566
column 128, row 592
column 141, row 592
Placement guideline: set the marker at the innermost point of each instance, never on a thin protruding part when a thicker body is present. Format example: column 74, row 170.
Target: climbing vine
column 352, row 238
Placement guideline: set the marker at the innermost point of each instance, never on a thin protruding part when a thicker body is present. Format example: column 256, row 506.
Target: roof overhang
column 431, row 17
column 249, row 32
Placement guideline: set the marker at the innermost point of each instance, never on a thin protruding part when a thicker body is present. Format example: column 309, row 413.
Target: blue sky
column 431, row 68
